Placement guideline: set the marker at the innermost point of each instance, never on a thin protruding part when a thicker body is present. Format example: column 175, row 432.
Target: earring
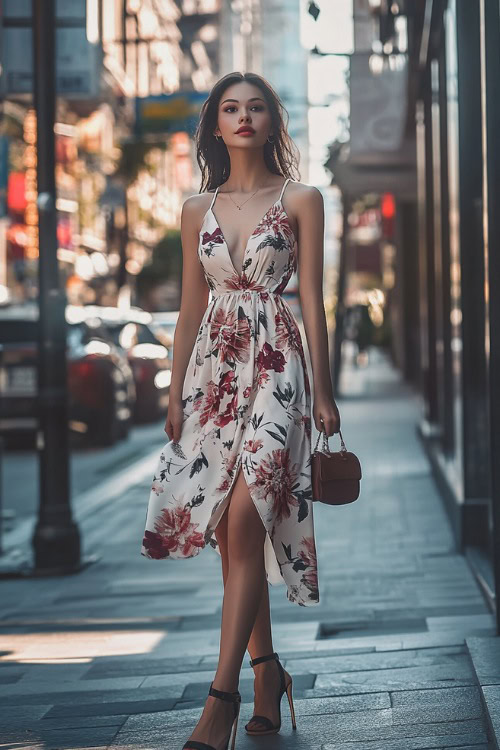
column 217, row 136
column 269, row 140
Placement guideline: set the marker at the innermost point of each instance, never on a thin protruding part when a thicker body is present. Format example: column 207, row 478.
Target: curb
column 484, row 653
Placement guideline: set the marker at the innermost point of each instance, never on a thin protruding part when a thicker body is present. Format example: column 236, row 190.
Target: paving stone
column 110, row 708
column 391, row 678
column 469, row 621
column 9, row 679
column 491, row 696
column 76, row 697
column 438, row 712
column 23, row 689
column 145, row 667
column 345, row 689
column 67, row 722
column 340, row 704
column 419, row 743
column 67, row 739
column 22, row 715
column 485, row 655
column 380, row 660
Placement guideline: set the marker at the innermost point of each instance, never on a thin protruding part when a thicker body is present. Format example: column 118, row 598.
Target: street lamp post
column 56, row 539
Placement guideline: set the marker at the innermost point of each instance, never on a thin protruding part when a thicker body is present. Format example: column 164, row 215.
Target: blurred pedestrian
column 236, row 473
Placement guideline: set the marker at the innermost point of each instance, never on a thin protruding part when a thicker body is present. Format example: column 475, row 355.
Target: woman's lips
column 246, row 132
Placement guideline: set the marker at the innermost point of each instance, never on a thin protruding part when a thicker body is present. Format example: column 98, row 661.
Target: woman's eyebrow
column 253, row 99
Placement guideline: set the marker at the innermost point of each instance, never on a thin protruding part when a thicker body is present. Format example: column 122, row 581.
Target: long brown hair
column 281, row 156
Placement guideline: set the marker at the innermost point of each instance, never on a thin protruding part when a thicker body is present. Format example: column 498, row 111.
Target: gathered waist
column 261, row 292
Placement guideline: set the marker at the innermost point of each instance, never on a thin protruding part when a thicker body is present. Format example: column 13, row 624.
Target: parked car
column 101, row 388
column 147, row 354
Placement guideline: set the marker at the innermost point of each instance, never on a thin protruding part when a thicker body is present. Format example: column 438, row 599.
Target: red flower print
column 270, row 359
column 252, row 445
column 214, row 238
column 247, row 391
column 308, row 554
column 277, row 220
column 229, row 464
column 307, row 424
column 287, row 333
column 156, row 487
column 229, row 415
column 209, row 404
column 174, row 533
column 308, row 551
column 227, row 381
column 231, row 335
column 262, row 378
column 275, row 476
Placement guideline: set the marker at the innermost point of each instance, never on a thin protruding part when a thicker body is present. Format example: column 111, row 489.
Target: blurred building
column 118, row 189
column 264, row 37
column 425, row 117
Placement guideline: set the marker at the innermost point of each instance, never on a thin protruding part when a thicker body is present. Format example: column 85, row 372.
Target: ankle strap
column 260, row 659
column 233, row 697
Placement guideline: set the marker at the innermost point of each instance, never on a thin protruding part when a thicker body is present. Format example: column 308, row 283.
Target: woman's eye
column 255, row 106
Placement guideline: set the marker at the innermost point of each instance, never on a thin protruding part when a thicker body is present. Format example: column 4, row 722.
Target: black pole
column 490, row 97
column 56, row 539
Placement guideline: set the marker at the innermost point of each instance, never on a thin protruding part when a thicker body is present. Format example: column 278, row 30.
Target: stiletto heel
column 269, row 727
column 235, row 698
column 290, row 703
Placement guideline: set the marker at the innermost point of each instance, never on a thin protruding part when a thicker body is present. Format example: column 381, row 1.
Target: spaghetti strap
column 215, row 196
column 283, row 188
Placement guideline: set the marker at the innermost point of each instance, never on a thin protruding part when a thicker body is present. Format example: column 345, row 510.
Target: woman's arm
column 194, row 300
column 310, row 214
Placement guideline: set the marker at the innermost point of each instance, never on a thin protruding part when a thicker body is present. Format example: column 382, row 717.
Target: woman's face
column 242, row 105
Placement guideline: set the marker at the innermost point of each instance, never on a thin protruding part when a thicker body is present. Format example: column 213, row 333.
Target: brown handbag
column 335, row 475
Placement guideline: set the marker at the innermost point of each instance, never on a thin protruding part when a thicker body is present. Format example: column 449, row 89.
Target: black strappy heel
column 235, row 698
column 270, row 728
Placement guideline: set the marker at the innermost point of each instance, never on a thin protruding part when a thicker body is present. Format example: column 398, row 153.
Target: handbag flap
column 338, row 465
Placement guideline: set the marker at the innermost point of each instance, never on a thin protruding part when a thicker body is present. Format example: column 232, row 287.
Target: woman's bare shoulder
column 302, row 190
column 304, row 199
column 195, row 207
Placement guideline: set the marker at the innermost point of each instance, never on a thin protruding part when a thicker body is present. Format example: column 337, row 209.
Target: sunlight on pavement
column 77, row 646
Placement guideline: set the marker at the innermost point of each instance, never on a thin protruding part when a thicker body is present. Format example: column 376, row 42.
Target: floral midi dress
column 246, row 403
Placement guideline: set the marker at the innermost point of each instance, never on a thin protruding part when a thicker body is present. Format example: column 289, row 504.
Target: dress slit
column 272, row 567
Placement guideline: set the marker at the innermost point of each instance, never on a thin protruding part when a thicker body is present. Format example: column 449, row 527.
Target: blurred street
column 122, row 654
column 90, row 466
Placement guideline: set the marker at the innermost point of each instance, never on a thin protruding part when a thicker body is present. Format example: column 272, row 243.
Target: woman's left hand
column 326, row 415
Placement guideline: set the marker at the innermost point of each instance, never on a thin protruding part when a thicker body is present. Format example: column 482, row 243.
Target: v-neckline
column 240, row 274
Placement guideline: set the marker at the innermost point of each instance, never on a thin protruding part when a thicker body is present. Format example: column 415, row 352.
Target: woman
column 236, row 473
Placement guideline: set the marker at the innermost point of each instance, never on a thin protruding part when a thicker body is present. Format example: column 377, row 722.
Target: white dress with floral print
column 247, row 402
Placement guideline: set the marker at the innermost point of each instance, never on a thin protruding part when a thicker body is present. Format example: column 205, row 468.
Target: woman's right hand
column 173, row 425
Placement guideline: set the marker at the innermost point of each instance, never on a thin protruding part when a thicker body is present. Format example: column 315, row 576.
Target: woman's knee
column 245, row 530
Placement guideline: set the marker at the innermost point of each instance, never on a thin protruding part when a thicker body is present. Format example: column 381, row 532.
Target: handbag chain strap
column 326, row 448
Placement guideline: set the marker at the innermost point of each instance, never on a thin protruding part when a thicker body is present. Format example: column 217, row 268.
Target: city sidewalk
column 122, row 654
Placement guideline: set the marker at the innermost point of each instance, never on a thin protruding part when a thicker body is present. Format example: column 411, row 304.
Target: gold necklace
column 240, row 207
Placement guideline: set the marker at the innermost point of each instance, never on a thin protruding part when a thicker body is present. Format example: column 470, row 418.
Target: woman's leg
column 242, row 595
column 267, row 680
column 260, row 642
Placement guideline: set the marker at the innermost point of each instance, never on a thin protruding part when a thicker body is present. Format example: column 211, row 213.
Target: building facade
column 446, row 306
